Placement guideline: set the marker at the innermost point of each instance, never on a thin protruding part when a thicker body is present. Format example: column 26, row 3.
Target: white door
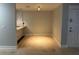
column 73, row 26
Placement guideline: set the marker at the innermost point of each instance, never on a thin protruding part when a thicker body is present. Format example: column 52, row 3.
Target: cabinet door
column 73, row 26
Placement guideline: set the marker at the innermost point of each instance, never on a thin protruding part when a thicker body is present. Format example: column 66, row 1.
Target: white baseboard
column 39, row 34
column 64, row 46
column 59, row 44
column 8, row 47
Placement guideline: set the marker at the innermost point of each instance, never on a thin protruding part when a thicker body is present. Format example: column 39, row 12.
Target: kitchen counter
column 20, row 32
column 18, row 28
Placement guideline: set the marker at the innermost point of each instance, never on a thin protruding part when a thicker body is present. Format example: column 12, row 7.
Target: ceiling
column 34, row 6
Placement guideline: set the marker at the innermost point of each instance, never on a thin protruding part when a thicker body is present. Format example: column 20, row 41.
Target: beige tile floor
column 38, row 42
column 37, row 45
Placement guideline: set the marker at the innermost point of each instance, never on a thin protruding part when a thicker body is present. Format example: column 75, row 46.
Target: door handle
column 70, row 20
column 70, row 29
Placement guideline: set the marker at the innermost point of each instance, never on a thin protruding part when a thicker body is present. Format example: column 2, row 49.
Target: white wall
column 39, row 23
column 19, row 17
column 57, row 24
column 7, row 25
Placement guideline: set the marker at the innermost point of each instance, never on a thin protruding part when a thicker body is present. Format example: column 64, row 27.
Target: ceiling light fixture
column 39, row 8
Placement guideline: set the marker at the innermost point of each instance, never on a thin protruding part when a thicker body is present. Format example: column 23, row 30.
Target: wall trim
column 39, row 34
column 64, row 46
column 59, row 44
column 8, row 47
